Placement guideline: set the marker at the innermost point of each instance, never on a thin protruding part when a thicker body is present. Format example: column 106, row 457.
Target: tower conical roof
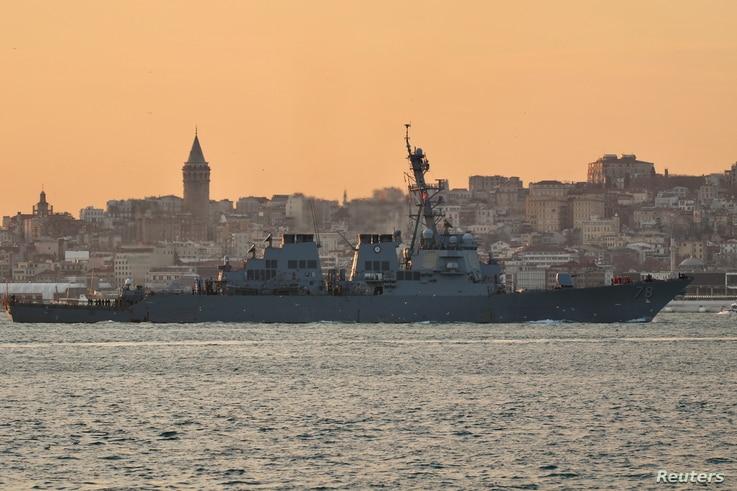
column 195, row 155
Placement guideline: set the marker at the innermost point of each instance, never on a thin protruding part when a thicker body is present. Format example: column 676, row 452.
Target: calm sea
column 532, row 406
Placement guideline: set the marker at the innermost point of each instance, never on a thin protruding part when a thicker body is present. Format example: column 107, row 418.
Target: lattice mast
column 424, row 196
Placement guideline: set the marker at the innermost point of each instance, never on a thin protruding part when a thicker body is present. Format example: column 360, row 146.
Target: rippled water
column 535, row 406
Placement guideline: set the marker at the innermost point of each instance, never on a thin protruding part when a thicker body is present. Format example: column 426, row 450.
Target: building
column 196, row 179
column 171, row 278
column 549, row 189
column 493, row 183
column 544, row 257
column 585, row 207
column 29, row 271
column 135, row 262
column 619, row 172
column 707, row 194
column 595, row 230
column 690, row 248
column 90, row 214
column 546, row 207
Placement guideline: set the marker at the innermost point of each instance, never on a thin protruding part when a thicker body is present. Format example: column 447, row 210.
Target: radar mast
column 424, row 196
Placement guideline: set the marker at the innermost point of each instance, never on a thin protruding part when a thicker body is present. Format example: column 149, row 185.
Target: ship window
column 367, row 266
column 377, row 265
column 271, row 263
column 385, row 265
column 400, row 275
column 292, row 264
column 416, row 276
column 302, row 264
column 249, row 274
column 312, row 264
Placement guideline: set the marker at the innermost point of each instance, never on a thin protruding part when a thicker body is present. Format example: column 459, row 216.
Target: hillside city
column 625, row 218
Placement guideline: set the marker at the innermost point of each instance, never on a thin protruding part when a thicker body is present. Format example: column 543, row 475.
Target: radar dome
column 467, row 239
column 453, row 240
column 427, row 234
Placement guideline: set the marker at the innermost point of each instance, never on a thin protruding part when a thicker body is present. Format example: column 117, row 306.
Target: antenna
column 407, row 126
column 315, row 222
column 354, row 248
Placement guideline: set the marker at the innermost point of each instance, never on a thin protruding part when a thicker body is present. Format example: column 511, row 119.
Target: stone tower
column 42, row 208
column 196, row 176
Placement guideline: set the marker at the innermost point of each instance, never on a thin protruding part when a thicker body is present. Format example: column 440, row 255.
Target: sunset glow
column 100, row 99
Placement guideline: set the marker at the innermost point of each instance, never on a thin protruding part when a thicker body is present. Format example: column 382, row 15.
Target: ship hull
column 621, row 303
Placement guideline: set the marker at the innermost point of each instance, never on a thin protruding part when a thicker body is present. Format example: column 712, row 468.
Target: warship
column 436, row 277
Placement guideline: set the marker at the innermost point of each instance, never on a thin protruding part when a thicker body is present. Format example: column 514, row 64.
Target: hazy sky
column 100, row 98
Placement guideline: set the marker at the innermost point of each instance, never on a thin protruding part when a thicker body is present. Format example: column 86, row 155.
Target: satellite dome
column 427, row 234
column 691, row 262
column 453, row 240
column 467, row 239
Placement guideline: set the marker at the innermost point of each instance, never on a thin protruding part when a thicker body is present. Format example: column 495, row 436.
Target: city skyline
column 103, row 100
column 196, row 152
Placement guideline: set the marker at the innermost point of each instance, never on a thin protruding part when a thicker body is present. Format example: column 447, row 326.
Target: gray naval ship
column 437, row 277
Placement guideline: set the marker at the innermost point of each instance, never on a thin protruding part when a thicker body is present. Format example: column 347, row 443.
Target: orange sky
column 100, row 99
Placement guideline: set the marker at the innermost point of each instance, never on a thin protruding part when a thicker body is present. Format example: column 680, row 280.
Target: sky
column 99, row 100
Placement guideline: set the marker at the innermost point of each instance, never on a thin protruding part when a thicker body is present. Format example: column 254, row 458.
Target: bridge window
column 385, row 265
column 302, row 264
column 408, row 276
column 292, row 264
column 312, row 264
column 367, row 266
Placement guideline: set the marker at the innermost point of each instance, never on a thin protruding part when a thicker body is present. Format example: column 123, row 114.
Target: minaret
column 196, row 177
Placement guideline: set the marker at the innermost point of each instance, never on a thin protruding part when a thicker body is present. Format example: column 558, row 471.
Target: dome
column 691, row 262
column 427, row 234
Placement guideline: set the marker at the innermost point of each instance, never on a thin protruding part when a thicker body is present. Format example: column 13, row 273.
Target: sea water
column 528, row 406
